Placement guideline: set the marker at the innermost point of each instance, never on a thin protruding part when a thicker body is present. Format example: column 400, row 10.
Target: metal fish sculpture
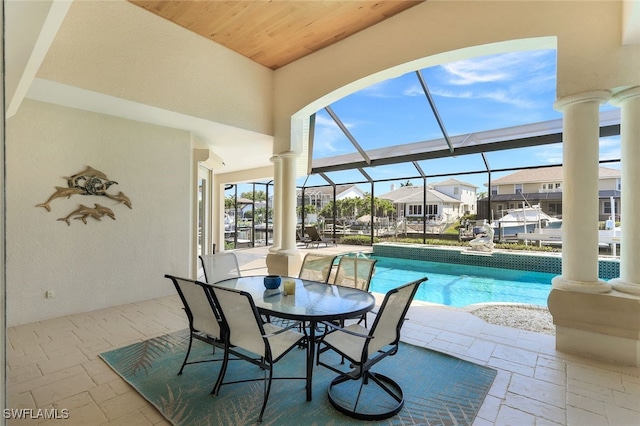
column 121, row 198
column 94, row 186
column 61, row 192
column 105, row 211
column 89, row 172
column 82, row 213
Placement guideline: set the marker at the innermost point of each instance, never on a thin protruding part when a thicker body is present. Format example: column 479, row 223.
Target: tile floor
column 55, row 364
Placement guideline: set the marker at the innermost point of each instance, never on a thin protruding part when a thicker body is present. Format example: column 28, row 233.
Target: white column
column 288, row 198
column 277, row 203
column 581, row 126
column 629, row 102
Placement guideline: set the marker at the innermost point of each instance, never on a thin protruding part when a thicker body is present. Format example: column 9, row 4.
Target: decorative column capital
column 621, row 97
column 288, row 154
column 601, row 96
column 275, row 159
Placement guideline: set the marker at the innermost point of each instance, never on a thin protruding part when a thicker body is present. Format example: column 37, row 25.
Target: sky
column 477, row 94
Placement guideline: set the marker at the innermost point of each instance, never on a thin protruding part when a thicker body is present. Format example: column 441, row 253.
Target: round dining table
column 311, row 303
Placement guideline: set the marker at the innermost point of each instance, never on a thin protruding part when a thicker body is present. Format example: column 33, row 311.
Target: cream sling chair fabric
column 244, row 329
column 364, row 348
column 220, row 266
column 316, row 267
column 356, row 272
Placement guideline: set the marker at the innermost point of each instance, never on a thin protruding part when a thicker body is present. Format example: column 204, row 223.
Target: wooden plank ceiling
column 276, row 33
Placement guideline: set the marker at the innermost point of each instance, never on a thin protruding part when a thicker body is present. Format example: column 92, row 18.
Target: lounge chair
column 316, row 239
column 301, row 237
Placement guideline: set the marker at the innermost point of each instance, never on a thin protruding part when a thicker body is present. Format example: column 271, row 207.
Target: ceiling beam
column 605, row 131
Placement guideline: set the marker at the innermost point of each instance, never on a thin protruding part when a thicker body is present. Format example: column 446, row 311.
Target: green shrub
column 358, row 240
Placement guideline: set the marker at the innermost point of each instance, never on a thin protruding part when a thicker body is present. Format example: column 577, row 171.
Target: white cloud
column 414, row 90
column 495, row 68
column 513, row 79
column 501, row 96
column 328, row 137
column 549, row 154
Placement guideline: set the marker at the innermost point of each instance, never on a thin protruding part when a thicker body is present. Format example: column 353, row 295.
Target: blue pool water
column 462, row 285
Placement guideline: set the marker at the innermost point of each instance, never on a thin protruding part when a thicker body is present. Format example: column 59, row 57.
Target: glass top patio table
column 312, row 302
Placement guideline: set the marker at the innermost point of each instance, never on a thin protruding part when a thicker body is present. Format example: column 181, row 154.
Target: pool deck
column 55, row 363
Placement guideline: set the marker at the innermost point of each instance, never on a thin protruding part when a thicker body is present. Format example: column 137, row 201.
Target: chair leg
column 223, row 370
column 266, row 394
column 348, row 404
column 186, row 356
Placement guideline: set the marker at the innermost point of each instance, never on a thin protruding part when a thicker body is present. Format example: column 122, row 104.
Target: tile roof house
column 543, row 186
column 320, row 196
column 443, row 201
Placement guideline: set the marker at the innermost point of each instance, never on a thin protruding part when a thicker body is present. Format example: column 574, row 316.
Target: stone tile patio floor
column 55, row 364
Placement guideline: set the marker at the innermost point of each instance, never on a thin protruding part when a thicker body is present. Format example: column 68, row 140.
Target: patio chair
column 316, row 239
column 221, row 266
column 245, row 330
column 316, row 267
column 356, row 272
column 204, row 324
column 351, row 392
column 301, row 237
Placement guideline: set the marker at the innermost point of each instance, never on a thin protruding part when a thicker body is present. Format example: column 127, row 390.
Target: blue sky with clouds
column 471, row 95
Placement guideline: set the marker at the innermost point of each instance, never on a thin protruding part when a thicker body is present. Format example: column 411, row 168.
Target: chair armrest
column 338, row 328
column 282, row 330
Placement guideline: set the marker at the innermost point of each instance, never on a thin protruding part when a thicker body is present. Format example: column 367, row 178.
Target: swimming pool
column 462, row 285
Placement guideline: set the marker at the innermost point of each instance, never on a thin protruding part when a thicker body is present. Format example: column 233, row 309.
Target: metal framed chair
column 220, row 266
column 316, row 267
column 244, row 329
column 204, row 321
column 351, row 391
column 356, row 272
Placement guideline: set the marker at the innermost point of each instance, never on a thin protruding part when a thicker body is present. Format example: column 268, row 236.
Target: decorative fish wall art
column 87, row 182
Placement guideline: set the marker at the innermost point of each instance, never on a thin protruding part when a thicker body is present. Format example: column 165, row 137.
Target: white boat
column 523, row 220
column 553, row 234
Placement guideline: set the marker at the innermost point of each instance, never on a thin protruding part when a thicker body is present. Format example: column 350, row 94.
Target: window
column 518, row 188
column 456, row 190
column 619, row 184
column 555, row 208
column 415, row 210
column 494, row 190
column 606, row 207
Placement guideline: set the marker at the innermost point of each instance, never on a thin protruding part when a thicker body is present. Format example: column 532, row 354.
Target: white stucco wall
column 120, row 49
column 99, row 264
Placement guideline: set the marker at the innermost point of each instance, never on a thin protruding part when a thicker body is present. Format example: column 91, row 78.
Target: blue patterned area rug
column 439, row 389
